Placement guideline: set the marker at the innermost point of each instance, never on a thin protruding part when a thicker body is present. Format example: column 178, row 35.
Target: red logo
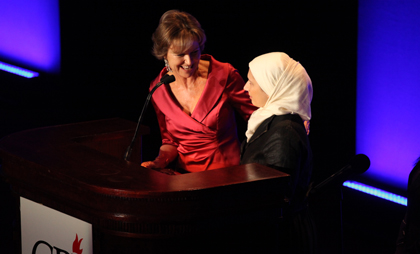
column 76, row 245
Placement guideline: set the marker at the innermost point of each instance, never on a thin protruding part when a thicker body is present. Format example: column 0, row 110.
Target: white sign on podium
column 47, row 231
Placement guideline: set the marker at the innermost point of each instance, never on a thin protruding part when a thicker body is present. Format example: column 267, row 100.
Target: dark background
column 107, row 66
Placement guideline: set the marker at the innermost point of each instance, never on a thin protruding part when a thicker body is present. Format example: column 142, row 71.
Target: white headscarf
column 287, row 85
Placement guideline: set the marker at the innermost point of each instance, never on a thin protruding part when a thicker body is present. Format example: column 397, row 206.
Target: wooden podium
column 78, row 169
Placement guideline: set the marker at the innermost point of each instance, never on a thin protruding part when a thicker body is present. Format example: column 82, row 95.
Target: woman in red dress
column 196, row 112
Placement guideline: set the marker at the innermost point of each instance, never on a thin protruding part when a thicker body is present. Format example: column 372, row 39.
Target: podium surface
column 78, row 169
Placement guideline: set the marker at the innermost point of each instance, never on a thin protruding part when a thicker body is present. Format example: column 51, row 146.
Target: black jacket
column 281, row 142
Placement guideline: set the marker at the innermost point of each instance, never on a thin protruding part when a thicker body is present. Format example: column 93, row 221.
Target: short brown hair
column 176, row 28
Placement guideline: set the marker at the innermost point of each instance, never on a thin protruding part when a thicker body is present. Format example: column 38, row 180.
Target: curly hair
column 179, row 30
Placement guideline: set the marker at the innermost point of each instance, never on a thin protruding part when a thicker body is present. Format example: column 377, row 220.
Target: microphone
column 166, row 79
column 360, row 163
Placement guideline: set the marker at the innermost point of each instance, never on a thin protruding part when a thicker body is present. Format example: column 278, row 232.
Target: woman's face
column 184, row 64
column 257, row 95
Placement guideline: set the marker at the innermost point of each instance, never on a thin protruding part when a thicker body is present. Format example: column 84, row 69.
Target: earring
column 167, row 65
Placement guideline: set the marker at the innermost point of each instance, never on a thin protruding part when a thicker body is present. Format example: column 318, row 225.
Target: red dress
column 207, row 139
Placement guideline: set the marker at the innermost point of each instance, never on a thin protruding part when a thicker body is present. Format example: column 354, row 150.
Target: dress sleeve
column 238, row 97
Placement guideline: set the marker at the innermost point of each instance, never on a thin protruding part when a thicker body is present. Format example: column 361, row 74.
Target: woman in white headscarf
column 276, row 136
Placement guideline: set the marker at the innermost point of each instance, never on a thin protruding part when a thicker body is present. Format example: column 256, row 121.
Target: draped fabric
column 207, row 139
column 286, row 83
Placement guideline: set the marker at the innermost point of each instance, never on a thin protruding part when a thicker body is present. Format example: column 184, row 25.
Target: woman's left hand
column 307, row 126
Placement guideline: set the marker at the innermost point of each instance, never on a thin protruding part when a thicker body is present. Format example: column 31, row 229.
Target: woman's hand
column 167, row 154
column 307, row 126
column 159, row 162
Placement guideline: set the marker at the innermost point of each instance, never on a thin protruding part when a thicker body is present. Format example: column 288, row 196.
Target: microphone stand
column 166, row 79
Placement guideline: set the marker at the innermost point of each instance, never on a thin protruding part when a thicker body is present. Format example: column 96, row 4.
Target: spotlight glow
column 376, row 192
column 30, row 34
column 17, row 70
column 388, row 88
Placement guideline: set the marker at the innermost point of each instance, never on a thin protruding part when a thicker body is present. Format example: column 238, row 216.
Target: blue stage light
column 387, row 88
column 30, row 34
column 17, row 70
column 376, row 192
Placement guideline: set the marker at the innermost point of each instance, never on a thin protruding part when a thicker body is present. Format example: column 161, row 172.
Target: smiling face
column 257, row 95
column 184, row 63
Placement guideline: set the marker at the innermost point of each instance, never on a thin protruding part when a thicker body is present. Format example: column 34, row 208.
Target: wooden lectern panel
column 79, row 169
